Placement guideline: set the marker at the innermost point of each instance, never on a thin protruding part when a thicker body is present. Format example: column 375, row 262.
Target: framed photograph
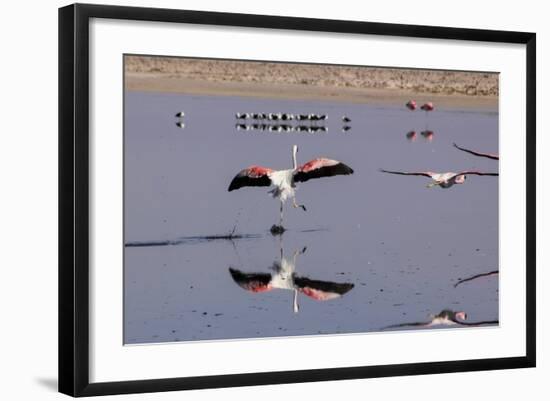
column 251, row 199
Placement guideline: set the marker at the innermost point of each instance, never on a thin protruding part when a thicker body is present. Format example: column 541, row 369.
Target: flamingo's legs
column 296, row 205
column 432, row 184
column 295, row 305
column 281, row 215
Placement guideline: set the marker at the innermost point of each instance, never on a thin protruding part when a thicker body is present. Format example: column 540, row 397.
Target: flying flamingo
column 411, row 105
column 488, row 155
column 283, row 276
column 285, row 181
column 446, row 317
column 444, row 180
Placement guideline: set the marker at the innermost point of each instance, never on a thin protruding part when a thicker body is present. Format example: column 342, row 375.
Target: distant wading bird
column 427, row 107
column 444, row 180
column 411, row 105
column 487, row 155
column 285, row 181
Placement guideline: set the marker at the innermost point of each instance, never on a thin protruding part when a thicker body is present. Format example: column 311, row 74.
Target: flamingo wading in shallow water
column 284, row 181
column 427, row 107
column 411, row 105
column 443, row 180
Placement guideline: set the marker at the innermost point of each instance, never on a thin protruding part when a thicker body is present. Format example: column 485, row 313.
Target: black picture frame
column 74, row 198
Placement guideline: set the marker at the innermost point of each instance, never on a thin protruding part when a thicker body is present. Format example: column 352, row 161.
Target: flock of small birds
column 278, row 122
column 283, row 122
column 312, row 117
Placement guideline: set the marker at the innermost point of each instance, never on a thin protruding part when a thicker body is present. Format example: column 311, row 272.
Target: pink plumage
column 411, row 105
column 427, row 106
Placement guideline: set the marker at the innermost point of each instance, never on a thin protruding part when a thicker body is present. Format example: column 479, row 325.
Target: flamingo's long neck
column 294, row 164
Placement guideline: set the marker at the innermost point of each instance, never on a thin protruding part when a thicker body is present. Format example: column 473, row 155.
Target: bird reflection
column 283, row 276
column 465, row 280
column 492, row 156
column 446, row 317
column 411, row 136
column 283, row 128
column 180, row 123
column 346, row 128
column 427, row 135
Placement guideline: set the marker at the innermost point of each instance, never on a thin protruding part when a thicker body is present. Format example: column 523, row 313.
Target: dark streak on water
column 403, row 245
column 193, row 240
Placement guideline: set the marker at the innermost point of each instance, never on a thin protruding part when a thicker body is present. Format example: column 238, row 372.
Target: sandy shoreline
column 447, row 89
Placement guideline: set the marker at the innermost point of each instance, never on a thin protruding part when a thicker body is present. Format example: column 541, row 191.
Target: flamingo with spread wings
column 284, row 181
column 443, row 180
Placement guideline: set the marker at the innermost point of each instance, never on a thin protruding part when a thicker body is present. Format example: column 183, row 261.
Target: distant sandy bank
column 311, row 82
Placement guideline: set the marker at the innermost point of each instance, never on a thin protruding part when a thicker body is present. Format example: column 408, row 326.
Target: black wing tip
column 233, row 186
column 343, row 169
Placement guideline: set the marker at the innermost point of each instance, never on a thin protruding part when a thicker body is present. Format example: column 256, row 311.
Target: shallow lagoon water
column 401, row 245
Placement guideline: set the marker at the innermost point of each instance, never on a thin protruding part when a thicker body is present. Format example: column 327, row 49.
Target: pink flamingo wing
column 321, row 167
column 253, row 176
column 319, row 295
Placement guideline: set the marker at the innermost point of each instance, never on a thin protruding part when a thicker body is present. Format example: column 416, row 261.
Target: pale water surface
column 397, row 247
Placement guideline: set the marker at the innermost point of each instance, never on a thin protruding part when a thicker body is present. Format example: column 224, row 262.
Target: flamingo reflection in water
column 492, row 156
column 411, row 136
column 427, row 135
column 446, row 317
column 283, row 276
column 465, row 280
